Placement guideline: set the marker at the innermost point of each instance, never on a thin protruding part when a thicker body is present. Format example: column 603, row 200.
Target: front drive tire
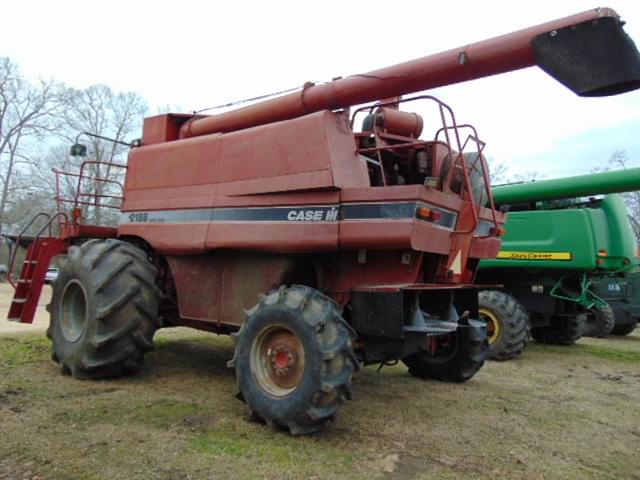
column 507, row 324
column 293, row 359
column 104, row 309
column 458, row 356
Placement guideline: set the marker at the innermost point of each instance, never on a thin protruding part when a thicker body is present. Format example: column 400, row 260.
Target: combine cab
column 362, row 242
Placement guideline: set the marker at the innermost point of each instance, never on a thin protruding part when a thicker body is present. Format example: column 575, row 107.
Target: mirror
column 78, row 150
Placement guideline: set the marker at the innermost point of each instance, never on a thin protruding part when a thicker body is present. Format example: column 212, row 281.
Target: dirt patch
column 9, row 399
column 557, row 412
column 198, row 423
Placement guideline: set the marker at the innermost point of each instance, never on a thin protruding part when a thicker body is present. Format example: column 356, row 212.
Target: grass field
column 557, row 412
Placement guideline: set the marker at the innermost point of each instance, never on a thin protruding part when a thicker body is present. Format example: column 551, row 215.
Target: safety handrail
column 76, row 200
column 19, row 237
column 480, row 145
column 448, row 125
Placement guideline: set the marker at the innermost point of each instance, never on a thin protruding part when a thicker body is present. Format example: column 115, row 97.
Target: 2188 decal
column 139, row 217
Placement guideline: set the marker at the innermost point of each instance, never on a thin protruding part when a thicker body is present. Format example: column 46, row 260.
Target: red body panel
column 264, row 159
column 394, row 234
column 218, row 287
column 163, row 128
column 273, row 237
column 169, row 238
column 485, row 248
column 296, row 188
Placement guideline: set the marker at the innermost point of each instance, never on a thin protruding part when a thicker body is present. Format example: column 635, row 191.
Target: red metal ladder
column 28, row 287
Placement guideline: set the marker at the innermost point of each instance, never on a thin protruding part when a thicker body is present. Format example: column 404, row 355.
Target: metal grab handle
column 35, row 239
column 451, row 131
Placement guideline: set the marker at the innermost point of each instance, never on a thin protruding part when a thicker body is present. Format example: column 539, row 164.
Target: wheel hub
column 493, row 325
column 277, row 360
column 73, row 311
column 281, row 359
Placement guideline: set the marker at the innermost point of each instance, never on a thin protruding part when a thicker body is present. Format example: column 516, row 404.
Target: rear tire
column 625, row 329
column 458, row 356
column 507, row 324
column 293, row 360
column 600, row 322
column 562, row 330
column 104, row 309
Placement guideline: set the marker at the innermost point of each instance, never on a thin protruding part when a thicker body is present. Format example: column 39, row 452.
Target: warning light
column 425, row 213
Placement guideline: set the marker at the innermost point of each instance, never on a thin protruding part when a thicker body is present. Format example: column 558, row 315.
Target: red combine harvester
column 365, row 243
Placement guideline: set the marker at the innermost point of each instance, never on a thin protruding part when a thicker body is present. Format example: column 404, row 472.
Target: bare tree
column 499, row 172
column 42, row 179
column 527, row 176
column 97, row 110
column 26, row 111
column 619, row 160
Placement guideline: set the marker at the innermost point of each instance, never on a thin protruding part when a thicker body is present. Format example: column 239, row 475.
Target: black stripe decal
column 370, row 211
column 306, row 213
column 277, row 214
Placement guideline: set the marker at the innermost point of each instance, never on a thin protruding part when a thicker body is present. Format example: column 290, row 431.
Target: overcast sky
column 198, row 54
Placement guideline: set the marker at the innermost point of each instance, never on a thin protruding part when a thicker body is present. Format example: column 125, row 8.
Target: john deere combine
column 561, row 241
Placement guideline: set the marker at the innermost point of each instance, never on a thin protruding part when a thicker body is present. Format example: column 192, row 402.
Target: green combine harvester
column 564, row 244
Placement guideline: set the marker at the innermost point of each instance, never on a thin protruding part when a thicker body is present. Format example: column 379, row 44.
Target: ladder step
column 33, row 262
column 417, row 328
column 19, row 300
column 440, row 326
column 24, row 280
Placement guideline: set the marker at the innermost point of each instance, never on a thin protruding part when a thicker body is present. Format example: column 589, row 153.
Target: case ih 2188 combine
column 365, row 243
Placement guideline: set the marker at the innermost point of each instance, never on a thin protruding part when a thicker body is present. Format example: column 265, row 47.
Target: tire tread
column 317, row 311
column 125, row 303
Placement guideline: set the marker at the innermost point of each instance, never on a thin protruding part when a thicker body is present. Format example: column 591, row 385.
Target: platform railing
column 85, row 197
column 453, row 141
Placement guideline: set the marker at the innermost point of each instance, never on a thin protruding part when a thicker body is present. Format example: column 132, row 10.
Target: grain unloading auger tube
column 588, row 52
column 570, row 187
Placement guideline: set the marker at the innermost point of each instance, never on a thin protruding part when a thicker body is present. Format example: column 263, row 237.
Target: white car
column 51, row 275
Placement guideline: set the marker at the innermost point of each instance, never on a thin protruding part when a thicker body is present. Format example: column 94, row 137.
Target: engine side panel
column 218, row 287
